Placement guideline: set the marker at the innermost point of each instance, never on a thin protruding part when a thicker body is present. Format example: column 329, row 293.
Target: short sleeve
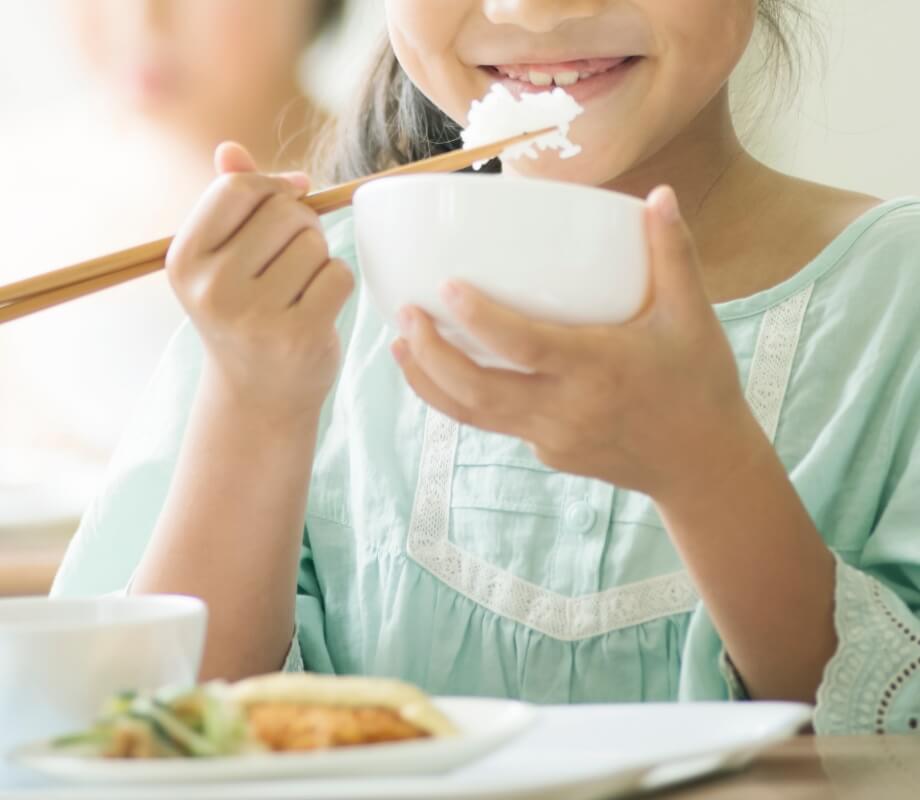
column 872, row 682
column 114, row 532
column 870, row 685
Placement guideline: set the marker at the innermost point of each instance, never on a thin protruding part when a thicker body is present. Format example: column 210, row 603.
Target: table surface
column 814, row 768
column 803, row 768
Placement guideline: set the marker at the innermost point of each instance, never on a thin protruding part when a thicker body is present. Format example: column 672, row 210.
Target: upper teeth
column 569, row 78
column 566, row 78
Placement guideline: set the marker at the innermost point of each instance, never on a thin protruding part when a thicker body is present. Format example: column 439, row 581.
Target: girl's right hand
column 252, row 269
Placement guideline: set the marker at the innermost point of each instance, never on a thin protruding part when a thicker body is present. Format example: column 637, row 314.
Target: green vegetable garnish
column 200, row 722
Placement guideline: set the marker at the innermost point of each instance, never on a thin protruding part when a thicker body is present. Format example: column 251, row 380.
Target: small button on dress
column 580, row 517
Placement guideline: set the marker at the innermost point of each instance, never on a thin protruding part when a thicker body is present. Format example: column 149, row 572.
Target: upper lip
column 577, row 64
column 554, row 59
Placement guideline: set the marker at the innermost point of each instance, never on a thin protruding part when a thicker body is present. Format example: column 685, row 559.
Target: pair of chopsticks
column 50, row 289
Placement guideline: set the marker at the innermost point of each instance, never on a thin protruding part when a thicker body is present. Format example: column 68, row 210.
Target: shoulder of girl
column 896, row 223
column 884, row 278
column 871, row 271
column 887, row 239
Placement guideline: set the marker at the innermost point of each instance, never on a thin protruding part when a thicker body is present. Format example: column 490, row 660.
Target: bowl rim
column 380, row 184
column 173, row 607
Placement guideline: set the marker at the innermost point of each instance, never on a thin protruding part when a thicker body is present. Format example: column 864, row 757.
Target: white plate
column 484, row 724
column 571, row 753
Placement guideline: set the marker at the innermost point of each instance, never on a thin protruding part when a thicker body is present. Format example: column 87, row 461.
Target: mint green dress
column 453, row 558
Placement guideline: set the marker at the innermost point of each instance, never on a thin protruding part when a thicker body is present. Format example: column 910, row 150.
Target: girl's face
column 174, row 58
column 644, row 70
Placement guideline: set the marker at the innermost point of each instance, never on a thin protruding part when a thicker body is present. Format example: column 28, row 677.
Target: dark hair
column 394, row 123
column 784, row 22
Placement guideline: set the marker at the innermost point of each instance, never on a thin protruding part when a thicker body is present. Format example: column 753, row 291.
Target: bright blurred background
column 111, row 109
column 111, row 112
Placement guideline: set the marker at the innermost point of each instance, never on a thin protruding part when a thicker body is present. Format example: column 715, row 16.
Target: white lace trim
column 550, row 613
column 774, row 356
column 556, row 615
column 293, row 661
column 877, row 658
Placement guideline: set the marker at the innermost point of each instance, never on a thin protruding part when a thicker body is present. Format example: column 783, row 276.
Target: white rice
column 499, row 116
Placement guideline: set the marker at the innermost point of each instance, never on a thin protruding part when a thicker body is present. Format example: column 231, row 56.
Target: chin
column 598, row 164
column 550, row 167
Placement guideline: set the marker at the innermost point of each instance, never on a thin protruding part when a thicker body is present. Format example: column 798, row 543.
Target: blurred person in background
column 116, row 165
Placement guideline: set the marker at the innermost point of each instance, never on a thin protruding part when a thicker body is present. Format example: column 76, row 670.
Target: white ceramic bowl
column 61, row 657
column 556, row 251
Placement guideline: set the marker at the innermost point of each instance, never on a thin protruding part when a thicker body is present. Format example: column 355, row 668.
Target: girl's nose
column 540, row 16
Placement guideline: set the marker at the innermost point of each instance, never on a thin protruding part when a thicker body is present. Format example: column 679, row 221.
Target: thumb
column 675, row 266
column 233, row 157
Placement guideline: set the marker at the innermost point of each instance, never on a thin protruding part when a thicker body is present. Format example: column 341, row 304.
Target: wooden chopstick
column 96, row 267
column 71, row 291
column 25, row 297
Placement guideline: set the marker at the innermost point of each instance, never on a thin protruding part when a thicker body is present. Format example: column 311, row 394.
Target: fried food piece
column 278, row 712
column 307, row 711
column 296, row 726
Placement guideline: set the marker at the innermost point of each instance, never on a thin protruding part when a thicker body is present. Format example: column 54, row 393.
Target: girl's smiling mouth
column 584, row 79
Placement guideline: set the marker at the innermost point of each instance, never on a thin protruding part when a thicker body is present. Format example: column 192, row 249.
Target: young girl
column 716, row 500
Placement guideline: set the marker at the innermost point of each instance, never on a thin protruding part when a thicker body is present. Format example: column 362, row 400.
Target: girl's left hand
column 653, row 405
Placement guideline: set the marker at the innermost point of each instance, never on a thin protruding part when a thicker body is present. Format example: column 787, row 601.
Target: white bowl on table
column 60, row 658
column 558, row 252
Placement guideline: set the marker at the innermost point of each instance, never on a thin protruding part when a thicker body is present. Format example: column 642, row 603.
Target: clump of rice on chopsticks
column 500, row 115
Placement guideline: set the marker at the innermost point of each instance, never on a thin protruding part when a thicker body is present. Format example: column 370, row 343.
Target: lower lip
column 584, row 90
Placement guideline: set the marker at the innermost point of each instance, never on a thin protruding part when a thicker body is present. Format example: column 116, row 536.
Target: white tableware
column 484, row 724
column 569, row 753
column 60, row 658
column 556, row 251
